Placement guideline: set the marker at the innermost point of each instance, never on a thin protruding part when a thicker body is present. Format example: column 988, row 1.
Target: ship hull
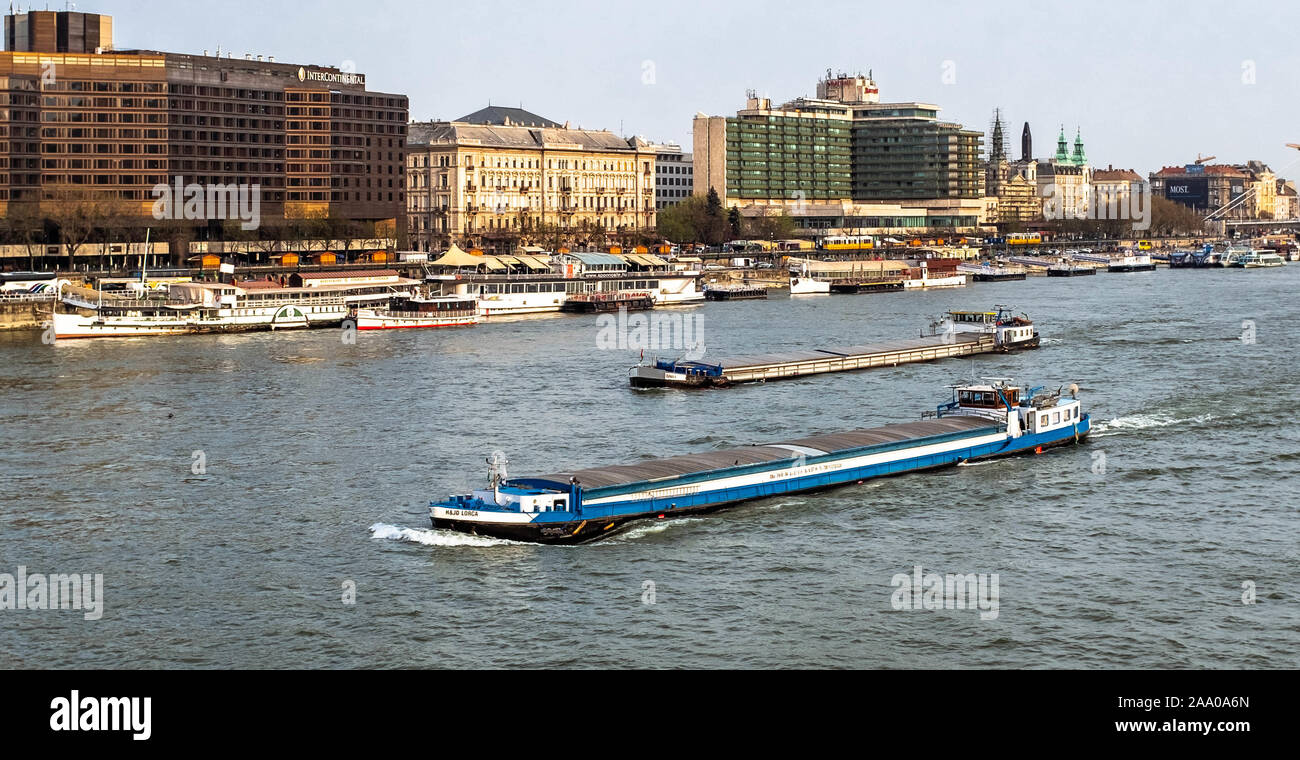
column 585, row 529
column 377, row 321
column 807, row 286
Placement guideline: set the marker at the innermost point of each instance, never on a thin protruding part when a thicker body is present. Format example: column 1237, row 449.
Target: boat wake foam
column 386, row 532
column 643, row 529
column 1145, row 421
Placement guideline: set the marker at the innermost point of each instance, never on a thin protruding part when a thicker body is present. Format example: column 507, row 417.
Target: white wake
column 386, row 532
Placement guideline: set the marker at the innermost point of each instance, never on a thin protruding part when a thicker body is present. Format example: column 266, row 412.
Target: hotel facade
column 844, row 162
column 80, row 119
column 502, row 178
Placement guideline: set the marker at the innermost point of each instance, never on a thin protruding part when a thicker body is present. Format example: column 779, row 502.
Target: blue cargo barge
column 981, row 421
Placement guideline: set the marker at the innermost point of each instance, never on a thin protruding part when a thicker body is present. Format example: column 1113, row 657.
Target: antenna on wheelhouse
column 497, row 473
column 497, row 468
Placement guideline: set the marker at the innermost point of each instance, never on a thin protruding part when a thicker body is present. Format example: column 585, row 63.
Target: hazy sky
column 1150, row 84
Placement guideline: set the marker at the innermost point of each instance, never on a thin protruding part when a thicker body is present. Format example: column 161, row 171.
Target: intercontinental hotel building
column 80, row 117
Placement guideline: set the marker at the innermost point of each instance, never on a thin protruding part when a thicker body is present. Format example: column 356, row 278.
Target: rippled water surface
column 321, row 459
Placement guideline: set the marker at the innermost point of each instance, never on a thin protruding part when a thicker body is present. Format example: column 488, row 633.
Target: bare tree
column 79, row 213
column 23, row 224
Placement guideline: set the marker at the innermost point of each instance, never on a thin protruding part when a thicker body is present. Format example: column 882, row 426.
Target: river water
column 237, row 492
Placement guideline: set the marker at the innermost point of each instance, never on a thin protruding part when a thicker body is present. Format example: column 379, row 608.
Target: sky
column 1149, row 84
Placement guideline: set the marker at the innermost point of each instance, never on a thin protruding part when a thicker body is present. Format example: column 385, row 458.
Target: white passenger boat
column 1140, row 262
column 196, row 307
column 928, row 281
column 136, row 319
column 578, row 274
column 989, row 272
column 1258, row 259
column 811, row 277
column 404, row 312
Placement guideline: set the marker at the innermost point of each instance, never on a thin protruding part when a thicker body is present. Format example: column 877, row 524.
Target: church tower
column 1079, row 158
column 1062, row 151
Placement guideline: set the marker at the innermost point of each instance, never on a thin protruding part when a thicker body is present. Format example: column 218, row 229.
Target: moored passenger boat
column 982, row 421
column 1134, row 263
column 586, row 303
column 987, row 272
column 206, row 308
column 554, row 280
column 1069, row 270
column 405, row 312
column 802, row 283
column 1262, row 259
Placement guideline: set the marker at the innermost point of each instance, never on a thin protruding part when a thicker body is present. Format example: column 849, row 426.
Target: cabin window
column 1056, row 418
column 1042, row 421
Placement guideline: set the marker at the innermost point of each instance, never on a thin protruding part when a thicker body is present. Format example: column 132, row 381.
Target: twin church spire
column 1063, row 154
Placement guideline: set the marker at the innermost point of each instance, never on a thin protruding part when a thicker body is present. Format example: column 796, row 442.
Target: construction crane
column 1202, row 159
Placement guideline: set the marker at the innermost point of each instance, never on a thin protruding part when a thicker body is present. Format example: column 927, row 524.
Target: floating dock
column 1065, row 271
column 736, row 293
column 865, row 286
column 586, row 303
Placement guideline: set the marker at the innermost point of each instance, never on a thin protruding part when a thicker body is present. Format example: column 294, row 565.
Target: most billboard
column 1192, row 192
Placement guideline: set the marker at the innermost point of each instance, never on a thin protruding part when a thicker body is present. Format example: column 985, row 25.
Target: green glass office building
column 788, row 156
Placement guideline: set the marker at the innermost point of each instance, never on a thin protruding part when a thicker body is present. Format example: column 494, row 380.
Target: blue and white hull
column 583, row 505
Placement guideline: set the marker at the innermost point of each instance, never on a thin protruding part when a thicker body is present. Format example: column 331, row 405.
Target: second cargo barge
column 961, row 333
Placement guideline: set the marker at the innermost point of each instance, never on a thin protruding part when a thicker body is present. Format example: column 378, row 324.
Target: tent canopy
column 455, row 257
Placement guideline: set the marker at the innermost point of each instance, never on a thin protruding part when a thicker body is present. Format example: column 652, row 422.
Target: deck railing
column 609, row 295
column 432, row 314
column 22, row 296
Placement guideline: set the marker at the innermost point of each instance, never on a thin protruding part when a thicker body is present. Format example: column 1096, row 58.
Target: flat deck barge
column 582, row 504
column 764, row 367
column 966, row 334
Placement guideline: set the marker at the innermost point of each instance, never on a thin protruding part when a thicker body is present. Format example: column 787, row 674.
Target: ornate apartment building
column 503, row 177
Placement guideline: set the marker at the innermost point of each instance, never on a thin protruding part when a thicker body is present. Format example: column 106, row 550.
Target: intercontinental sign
column 330, row 77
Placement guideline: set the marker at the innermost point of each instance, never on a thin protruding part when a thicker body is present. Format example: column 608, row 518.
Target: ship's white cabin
column 1025, row 410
